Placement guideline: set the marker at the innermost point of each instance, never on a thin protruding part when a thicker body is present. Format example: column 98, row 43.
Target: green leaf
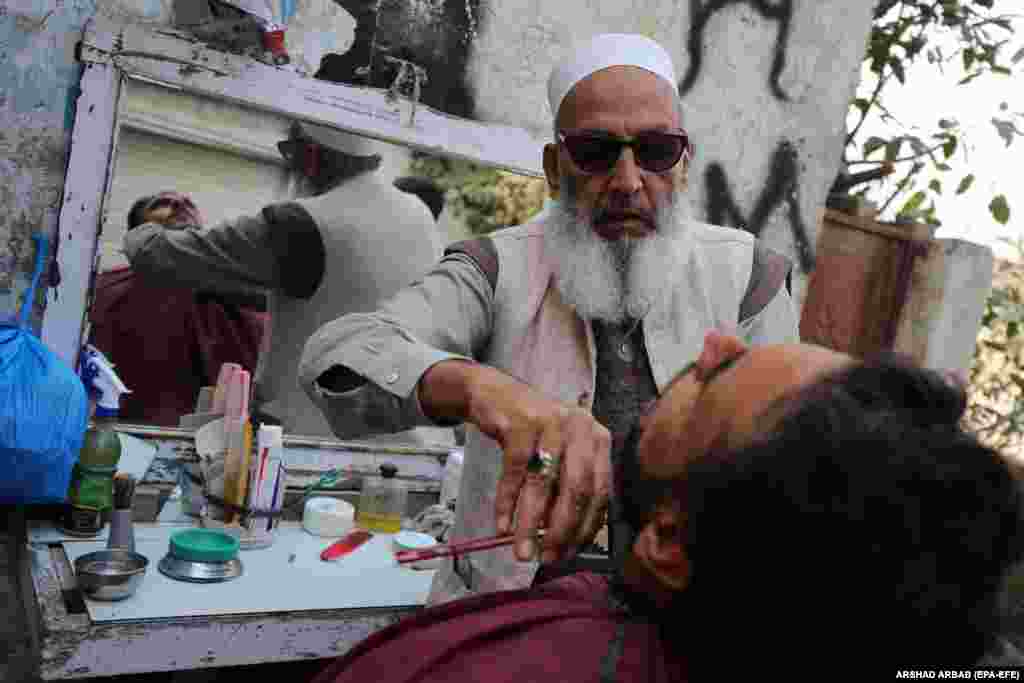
column 914, row 203
column 968, row 57
column 1000, row 209
column 1002, row 70
column 892, row 150
column 965, row 184
column 897, row 69
column 872, row 144
column 949, row 147
column 861, row 104
column 943, row 167
column 1006, row 129
column 935, row 186
column 1012, row 329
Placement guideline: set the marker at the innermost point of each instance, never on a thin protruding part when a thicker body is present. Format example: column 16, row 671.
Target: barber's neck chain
column 625, row 350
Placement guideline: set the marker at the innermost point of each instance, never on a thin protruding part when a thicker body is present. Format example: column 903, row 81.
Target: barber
column 547, row 338
column 351, row 240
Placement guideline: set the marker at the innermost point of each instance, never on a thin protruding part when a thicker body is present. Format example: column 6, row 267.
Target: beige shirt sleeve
column 448, row 314
column 233, row 257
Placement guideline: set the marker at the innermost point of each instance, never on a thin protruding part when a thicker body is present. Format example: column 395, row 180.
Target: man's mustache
column 615, row 215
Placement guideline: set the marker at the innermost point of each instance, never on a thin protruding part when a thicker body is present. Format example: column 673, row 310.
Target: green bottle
column 91, row 493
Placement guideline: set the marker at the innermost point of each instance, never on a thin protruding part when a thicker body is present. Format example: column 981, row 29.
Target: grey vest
column 366, row 240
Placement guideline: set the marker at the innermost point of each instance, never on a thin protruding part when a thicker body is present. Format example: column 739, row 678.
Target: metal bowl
column 110, row 574
column 199, row 572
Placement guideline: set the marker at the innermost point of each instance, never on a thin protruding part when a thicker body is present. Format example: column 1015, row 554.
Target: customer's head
column 618, row 163
column 850, row 517
column 170, row 209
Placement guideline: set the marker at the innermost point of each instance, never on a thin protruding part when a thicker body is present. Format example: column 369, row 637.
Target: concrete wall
column 765, row 85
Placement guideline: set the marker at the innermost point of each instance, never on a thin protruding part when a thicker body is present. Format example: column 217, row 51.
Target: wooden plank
column 910, row 231
column 115, row 650
column 291, row 440
column 169, row 58
column 851, row 299
column 92, row 152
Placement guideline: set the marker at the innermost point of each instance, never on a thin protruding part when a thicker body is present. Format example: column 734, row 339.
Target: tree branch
column 898, row 190
column 928, row 152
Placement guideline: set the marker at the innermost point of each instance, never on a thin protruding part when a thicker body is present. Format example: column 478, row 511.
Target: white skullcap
column 603, row 51
column 339, row 140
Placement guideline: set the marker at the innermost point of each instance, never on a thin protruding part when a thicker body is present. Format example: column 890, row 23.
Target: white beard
column 610, row 281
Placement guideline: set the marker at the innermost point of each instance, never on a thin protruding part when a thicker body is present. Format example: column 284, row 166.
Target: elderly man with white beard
column 548, row 339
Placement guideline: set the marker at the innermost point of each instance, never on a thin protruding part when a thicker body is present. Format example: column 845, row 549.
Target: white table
column 247, row 622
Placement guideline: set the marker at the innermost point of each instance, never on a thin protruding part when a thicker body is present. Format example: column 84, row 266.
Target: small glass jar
column 382, row 502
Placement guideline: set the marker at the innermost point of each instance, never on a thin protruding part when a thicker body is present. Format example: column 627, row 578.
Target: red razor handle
column 346, row 545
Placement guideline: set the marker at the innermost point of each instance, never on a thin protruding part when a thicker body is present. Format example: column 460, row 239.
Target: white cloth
column 341, row 141
column 601, row 52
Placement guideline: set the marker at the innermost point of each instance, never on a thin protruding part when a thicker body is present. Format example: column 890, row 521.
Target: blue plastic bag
column 44, row 410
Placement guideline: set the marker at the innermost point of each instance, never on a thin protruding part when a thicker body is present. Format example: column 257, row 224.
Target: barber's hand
column 522, row 420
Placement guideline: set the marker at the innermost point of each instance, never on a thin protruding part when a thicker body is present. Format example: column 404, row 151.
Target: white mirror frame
column 112, row 51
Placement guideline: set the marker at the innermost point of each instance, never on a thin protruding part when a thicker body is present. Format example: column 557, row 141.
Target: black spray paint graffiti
column 390, row 35
column 781, row 188
column 701, row 12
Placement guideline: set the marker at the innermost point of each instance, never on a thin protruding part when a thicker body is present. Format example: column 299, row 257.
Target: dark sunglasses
column 595, row 152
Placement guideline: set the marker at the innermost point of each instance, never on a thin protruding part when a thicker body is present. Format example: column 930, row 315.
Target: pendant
column 625, row 352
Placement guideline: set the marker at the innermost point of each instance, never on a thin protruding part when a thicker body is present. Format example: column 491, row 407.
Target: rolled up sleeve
column 446, row 315
column 232, row 257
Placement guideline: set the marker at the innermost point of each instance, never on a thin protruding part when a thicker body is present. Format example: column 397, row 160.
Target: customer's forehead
column 691, row 416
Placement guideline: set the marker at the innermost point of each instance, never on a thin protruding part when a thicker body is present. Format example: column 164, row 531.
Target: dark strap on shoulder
column 298, row 246
column 483, row 253
column 768, row 274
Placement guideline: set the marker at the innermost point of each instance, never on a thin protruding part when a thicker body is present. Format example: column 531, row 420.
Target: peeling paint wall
column 38, row 88
column 37, row 76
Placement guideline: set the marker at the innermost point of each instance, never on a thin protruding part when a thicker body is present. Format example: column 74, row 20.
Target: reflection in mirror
column 173, row 315
column 167, row 340
column 221, row 155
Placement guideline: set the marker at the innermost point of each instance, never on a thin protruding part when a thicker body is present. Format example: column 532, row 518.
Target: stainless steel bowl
column 199, row 572
column 110, row 574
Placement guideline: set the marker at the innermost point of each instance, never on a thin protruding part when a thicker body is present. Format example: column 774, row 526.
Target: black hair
column 868, row 528
column 135, row 213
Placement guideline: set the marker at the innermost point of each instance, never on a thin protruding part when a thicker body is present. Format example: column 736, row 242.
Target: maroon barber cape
column 167, row 342
column 564, row 631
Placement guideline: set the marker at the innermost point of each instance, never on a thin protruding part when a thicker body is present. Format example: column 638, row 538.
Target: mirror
column 161, row 112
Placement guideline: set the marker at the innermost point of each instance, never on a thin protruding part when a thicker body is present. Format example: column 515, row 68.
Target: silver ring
column 544, row 464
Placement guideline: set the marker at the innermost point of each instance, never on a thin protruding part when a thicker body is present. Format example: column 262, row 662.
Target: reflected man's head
column 790, row 483
column 618, row 165
column 169, row 208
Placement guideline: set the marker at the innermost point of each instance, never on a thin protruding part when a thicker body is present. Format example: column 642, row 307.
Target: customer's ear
column 659, row 546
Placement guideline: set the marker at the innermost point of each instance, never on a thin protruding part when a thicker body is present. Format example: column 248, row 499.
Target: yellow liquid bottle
column 382, row 502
